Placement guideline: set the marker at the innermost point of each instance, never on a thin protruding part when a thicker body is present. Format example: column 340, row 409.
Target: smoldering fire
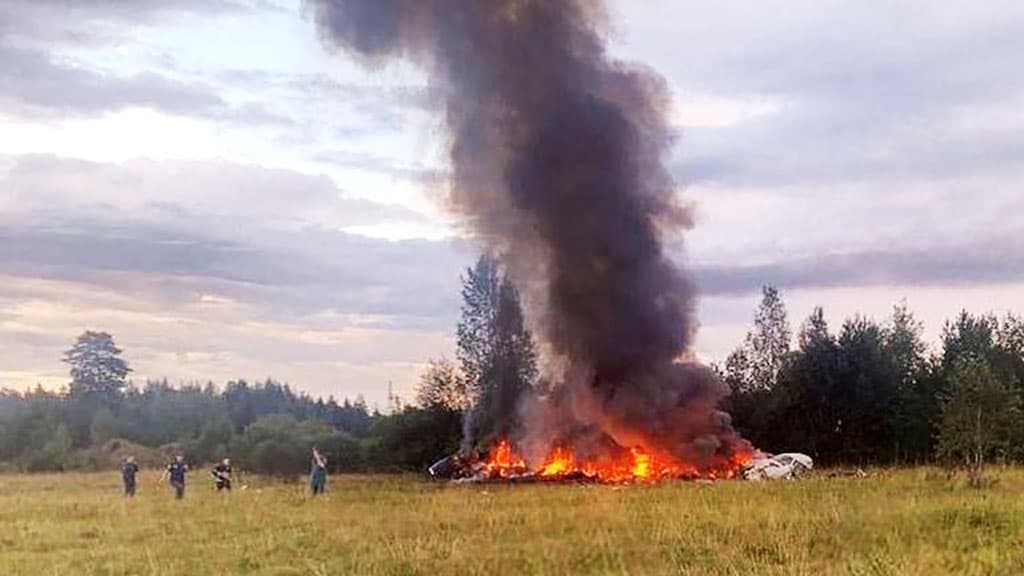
column 558, row 167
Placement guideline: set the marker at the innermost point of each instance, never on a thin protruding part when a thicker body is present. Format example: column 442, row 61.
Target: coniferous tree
column 495, row 351
column 97, row 368
column 916, row 404
column 806, row 413
column 865, row 393
column 477, row 327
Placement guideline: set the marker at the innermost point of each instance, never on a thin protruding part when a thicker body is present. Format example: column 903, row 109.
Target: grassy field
column 906, row 522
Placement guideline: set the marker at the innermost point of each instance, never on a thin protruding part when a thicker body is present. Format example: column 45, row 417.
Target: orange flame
column 504, row 462
column 559, row 463
column 641, row 464
column 635, row 465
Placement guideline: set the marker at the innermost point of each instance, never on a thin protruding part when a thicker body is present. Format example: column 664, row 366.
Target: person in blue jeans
column 176, row 472
column 318, row 473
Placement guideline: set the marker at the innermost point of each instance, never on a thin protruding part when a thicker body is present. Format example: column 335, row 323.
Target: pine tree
column 496, row 353
column 97, row 368
column 915, row 407
column 478, row 324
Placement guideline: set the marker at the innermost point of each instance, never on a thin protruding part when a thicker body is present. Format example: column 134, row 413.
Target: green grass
column 907, row 522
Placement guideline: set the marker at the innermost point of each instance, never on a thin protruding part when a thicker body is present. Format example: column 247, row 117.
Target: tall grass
column 913, row 522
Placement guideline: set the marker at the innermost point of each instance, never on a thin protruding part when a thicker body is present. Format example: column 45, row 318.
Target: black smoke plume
column 557, row 153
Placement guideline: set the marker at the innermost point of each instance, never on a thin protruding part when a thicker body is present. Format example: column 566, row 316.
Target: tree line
column 867, row 393
column 264, row 427
column 874, row 393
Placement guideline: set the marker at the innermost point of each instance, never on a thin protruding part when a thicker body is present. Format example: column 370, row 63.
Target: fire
column 559, row 463
column 641, row 464
column 636, row 465
column 504, row 462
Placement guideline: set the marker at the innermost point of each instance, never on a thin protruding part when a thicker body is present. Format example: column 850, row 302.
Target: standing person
column 176, row 472
column 318, row 473
column 128, row 471
column 222, row 475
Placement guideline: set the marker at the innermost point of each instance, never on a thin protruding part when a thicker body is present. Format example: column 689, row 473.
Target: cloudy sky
column 204, row 180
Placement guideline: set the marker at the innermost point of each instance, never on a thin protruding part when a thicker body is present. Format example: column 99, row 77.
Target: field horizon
column 907, row 521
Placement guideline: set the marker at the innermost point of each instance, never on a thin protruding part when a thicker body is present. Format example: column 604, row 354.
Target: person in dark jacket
column 128, row 471
column 318, row 473
column 176, row 472
column 222, row 475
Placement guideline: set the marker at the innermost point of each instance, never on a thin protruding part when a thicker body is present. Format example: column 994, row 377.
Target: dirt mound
column 115, row 450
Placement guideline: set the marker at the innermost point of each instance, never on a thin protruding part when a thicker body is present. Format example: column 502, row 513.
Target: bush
column 280, row 445
column 414, row 439
column 55, row 455
column 344, row 453
column 980, row 420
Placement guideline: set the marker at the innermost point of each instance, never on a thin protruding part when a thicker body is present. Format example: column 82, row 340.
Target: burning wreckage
column 503, row 464
column 558, row 168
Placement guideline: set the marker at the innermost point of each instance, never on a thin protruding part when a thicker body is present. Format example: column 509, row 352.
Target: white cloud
column 116, row 137
column 706, row 111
